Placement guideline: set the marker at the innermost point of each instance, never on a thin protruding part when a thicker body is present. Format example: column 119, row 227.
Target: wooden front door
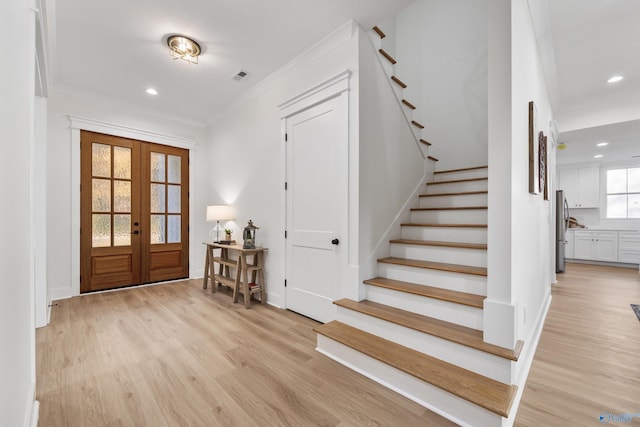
column 134, row 212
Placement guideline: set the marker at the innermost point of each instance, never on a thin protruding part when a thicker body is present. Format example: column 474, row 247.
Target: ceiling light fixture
column 597, row 156
column 152, row 91
column 615, row 79
column 562, row 146
column 184, row 48
column 602, row 144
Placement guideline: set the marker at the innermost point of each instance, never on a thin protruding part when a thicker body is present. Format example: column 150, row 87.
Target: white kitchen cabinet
column 569, row 247
column 629, row 247
column 596, row 245
column 581, row 186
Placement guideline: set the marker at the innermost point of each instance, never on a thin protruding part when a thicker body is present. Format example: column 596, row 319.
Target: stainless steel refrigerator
column 562, row 222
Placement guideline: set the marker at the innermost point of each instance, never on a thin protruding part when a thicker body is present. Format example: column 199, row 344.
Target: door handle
column 335, row 242
column 135, row 232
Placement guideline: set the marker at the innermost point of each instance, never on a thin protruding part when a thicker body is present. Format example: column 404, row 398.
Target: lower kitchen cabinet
column 596, row 245
column 629, row 247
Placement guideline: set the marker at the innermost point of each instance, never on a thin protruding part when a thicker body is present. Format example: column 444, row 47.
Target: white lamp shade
column 219, row 213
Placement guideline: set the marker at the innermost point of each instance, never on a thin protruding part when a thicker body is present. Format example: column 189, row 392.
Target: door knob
column 335, row 242
column 135, row 232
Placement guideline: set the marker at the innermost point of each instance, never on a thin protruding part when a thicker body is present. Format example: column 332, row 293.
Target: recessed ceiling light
column 152, row 91
column 614, row 79
column 597, row 156
column 602, row 144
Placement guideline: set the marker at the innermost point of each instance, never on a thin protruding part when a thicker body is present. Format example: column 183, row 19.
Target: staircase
column 419, row 330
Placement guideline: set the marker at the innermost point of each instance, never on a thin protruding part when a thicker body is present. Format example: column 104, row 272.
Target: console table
column 239, row 282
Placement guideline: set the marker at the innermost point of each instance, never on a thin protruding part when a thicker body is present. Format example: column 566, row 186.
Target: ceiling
column 592, row 41
column 117, row 48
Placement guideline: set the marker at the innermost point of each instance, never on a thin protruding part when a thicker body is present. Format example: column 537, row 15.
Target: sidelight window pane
column 634, row 180
column 122, row 162
column 174, row 169
column 157, row 229
column 617, row 181
column 634, row 205
column 173, row 229
column 101, row 195
column 173, row 196
column 101, row 230
column 616, row 206
column 158, row 198
column 121, row 196
column 121, row 230
column 100, row 160
column 157, row 167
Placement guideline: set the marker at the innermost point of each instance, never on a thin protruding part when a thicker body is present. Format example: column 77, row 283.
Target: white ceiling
column 117, row 48
column 594, row 40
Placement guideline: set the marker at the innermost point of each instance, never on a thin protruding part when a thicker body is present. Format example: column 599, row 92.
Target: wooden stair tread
column 462, row 193
column 490, row 394
column 413, row 224
column 456, row 180
column 379, row 32
column 425, row 142
column 432, row 265
column 408, row 104
column 433, row 158
column 463, row 298
column 439, row 328
column 416, row 124
column 463, row 169
column 400, row 83
column 387, row 56
column 452, row 208
column 439, row 243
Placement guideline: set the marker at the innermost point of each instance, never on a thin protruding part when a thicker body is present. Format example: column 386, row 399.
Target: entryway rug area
column 636, row 309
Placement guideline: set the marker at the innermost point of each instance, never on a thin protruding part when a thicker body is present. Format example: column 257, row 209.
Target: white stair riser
column 465, row 216
column 457, row 187
column 468, row 174
column 475, row 257
column 457, row 201
column 459, row 314
column 477, row 361
column 443, row 279
column 446, row 404
column 446, row 234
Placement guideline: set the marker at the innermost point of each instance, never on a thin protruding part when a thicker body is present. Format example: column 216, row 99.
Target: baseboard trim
column 32, row 407
column 526, row 358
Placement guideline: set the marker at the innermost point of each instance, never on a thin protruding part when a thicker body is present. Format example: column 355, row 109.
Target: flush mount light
column 597, row 156
column 615, row 79
column 152, row 91
column 184, row 48
column 602, row 144
column 562, row 146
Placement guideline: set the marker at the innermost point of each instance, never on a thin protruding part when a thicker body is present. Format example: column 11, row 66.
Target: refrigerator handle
column 566, row 215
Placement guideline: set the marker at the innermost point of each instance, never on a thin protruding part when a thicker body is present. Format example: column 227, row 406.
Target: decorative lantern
column 249, row 236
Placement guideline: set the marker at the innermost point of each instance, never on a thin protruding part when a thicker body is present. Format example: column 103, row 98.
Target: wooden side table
column 239, row 282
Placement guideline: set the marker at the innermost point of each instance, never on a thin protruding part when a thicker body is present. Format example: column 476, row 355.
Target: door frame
column 335, row 86
column 76, row 124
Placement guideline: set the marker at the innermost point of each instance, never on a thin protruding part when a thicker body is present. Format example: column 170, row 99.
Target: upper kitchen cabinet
column 581, row 186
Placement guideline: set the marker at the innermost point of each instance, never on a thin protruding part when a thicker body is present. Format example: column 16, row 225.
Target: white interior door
column 317, row 151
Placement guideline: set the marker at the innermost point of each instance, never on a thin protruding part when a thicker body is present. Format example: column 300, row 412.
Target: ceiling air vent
column 239, row 75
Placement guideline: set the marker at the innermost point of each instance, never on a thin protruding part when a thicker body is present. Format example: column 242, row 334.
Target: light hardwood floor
column 177, row 355
column 588, row 358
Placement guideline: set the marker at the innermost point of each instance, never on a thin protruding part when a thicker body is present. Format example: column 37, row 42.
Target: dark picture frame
column 534, row 151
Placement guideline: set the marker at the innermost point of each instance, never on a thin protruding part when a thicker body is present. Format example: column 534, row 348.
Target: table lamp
column 217, row 213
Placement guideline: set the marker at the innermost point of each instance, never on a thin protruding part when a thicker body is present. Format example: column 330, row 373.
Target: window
column 623, row 193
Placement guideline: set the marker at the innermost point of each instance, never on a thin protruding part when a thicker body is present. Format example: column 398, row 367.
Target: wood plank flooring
column 588, row 358
column 177, row 355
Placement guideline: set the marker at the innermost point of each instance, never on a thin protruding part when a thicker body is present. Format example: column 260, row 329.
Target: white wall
column 17, row 339
column 442, row 56
column 391, row 166
column 62, row 165
column 246, row 149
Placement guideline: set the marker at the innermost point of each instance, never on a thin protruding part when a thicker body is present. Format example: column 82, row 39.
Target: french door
column 134, row 212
